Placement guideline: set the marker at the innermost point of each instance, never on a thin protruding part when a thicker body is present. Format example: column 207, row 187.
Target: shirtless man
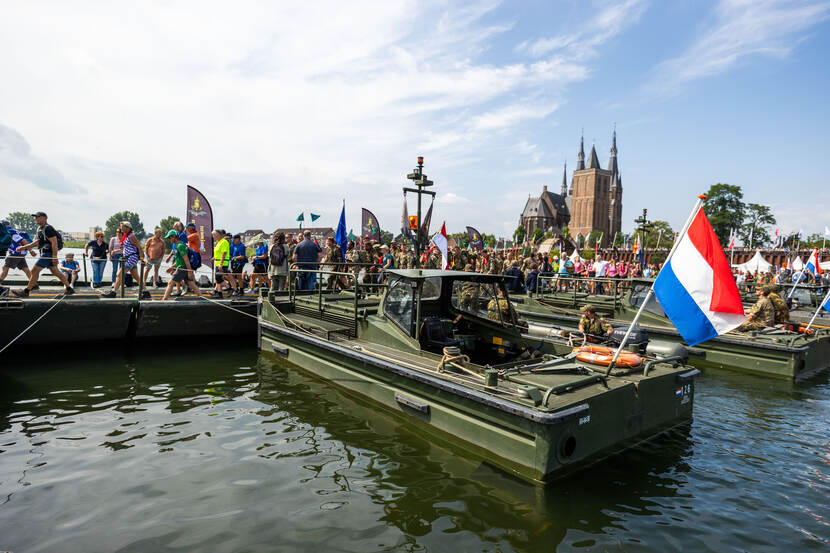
column 154, row 251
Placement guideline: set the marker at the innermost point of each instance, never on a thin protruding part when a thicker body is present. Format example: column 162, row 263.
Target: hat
column 384, row 247
column 767, row 288
column 468, row 267
column 127, row 224
column 191, row 224
column 38, row 214
column 587, row 308
column 171, row 234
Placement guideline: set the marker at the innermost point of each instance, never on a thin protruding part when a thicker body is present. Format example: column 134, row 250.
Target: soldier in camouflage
column 591, row 324
column 779, row 306
column 762, row 314
column 499, row 309
column 468, row 296
column 333, row 258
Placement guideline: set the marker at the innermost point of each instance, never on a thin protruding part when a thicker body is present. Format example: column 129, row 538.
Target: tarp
column 797, row 264
column 756, row 264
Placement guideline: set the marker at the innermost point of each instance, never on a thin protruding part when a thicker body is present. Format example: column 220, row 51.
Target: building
column 251, row 233
column 595, row 195
column 549, row 212
column 319, row 234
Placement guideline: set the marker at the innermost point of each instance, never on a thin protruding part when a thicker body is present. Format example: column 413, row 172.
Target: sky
column 272, row 109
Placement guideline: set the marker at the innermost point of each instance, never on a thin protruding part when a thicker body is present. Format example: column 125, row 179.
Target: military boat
column 785, row 352
column 445, row 350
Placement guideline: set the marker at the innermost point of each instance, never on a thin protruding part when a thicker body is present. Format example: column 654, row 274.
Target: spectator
column 116, row 251
column 532, row 278
column 178, row 226
column 98, row 258
column 16, row 258
column 47, row 242
column 132, row 254
column 260, row 262
column 239, row 258
column 387, row 260
column 154, row 250
column 307, row 254
column 70, row 268
column 181, row 272
column 516, row 282
column 278, row 266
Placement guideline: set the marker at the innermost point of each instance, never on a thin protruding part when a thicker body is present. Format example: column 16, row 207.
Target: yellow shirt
column 222, row 247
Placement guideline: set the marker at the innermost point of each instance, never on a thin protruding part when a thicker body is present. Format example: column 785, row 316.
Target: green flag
column 314, row 217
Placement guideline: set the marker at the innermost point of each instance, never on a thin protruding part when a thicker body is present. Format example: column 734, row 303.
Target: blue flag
column 341, row 237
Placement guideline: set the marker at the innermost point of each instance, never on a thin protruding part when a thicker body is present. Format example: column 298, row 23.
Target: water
column 160, row 452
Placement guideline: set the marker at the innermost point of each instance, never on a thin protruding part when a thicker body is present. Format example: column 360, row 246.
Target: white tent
column 575, row 256
column 756, row 265
column 825, row 265
column 797, row 264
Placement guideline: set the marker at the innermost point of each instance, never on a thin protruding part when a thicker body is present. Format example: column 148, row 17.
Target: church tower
column 596, row 195
column 615, row 194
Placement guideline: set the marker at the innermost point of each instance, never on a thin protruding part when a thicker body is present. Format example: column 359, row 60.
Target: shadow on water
column 227, row 451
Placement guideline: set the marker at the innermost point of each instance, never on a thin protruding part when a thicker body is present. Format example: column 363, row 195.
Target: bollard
column 85, row 277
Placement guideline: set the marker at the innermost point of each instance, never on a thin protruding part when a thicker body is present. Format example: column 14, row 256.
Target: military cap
column 468, row 267
column 587, row 308
column 768, row 288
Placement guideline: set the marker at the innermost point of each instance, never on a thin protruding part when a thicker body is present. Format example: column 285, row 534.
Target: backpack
column 5, row 239
column 195, row 258
column 41, row 233
column 277, row 255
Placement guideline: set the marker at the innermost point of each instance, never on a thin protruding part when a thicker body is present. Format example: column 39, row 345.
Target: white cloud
column 742, row 28
column 19, row 163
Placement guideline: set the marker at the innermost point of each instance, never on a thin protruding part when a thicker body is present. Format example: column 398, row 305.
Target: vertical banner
column 424, row 238
column 474, row 240
column 200, row 214
column 370, row 229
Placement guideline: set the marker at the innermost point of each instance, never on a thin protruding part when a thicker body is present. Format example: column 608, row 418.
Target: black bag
column 277, row 255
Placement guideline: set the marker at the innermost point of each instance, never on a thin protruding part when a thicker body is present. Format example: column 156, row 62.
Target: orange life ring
column 602, row 356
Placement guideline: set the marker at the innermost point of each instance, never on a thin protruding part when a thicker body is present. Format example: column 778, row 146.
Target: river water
column 232, row 452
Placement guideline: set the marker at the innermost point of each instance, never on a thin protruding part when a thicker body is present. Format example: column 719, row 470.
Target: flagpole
column 650, row 293
column 824, row 301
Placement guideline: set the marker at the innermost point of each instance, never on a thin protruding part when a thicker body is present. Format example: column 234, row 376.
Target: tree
column 619, row 240
column 489, row 239
column 537, row 235
column 725, row 209
column 756, row 219
column 566, row 233
column 519, row 234
column 385, row 237
column 666, row 238
column 587, row 253
column 112, row 224
column 23, row 222
column 166, row 224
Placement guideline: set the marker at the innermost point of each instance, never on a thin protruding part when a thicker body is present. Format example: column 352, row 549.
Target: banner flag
column 405, row 230
column 314, row 217
column 200, row 214
column 340, row 236
column 474, row 239
column 370, row 229
column 424, row 238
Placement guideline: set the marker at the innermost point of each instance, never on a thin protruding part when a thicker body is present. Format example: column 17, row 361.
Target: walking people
column 49, row 243
column 15, row 258
column 182, row 271
column 154, row 251
column 307, row 254
column 98, row 258
column 131, row 253
column 179, row 227
column 239, row 258
column 221, row 261
column 260, row 261
column 116, row 251
column 70, row 268
column 278, row 261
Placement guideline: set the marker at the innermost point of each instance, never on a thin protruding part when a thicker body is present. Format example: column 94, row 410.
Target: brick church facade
column 592, row 202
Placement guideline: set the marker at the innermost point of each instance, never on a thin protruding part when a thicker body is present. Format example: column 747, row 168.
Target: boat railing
column 576, row 288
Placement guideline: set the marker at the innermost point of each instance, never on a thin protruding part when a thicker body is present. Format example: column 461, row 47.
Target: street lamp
column 419, row 179
column 644, row 228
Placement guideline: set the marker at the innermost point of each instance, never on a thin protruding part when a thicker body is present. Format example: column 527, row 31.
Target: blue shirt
column 307, row 252
column 17, row 241
column 389, row 259
column 69, row 266
column 236, row 250
column 262, row 250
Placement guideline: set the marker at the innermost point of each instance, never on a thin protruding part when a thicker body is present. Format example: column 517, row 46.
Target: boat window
column 431, row 289
column 638, row 294
column 471, row 297
column 398, row 305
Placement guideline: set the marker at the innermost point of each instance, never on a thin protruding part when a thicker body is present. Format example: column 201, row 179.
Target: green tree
column 725, row 209
column 112, row 224
column 666, row 236
column 815, row 240
column 587, row 253
column 519, row 235
column 489, row 239
column 756, row 220
column 537, row 236
column 566, row 233
column 593, row 236
column 385, row 237
column 619, row 240
column 23, row 222
column 166, row 224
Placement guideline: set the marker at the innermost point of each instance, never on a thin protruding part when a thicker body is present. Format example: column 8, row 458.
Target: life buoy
column 602, row 356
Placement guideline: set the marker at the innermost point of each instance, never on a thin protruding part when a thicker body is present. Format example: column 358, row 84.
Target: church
column 593, row 201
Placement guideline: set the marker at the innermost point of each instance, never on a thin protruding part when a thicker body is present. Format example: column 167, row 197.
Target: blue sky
column 273, row 110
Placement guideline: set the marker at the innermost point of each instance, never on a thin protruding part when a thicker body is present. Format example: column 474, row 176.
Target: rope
column 31, row 325
column 204, row 297
column 453, row 356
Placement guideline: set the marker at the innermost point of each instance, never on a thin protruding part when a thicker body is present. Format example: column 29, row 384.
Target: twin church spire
column 593, row 163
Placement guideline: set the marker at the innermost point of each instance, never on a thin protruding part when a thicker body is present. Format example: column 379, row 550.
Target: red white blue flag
column 812, row 264
column 696, row 288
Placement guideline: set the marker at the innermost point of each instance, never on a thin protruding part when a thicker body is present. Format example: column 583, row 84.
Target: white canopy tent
column 575, row 256
column 797, row 264
column 756, row 265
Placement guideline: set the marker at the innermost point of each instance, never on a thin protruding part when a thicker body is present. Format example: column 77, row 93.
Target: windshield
column 484, row 300
column 638, row 294
column 398, row 305
column 431, row 289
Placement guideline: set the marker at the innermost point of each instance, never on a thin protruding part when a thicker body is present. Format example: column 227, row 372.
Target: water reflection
column 232, row 452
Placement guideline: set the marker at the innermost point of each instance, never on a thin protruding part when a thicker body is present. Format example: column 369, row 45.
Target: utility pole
column 420, row 181
column 644, row 227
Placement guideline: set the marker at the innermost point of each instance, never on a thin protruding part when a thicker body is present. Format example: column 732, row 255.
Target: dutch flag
column 696, row 288
column 812, row 264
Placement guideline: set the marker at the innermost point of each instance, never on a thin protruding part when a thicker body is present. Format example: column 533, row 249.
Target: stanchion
column 123, row 276
column 86, row 279
column 141, row 286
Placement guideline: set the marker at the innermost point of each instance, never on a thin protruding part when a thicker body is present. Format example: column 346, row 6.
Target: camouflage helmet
column 468, row 267
column 768, row 289
column 588, row 308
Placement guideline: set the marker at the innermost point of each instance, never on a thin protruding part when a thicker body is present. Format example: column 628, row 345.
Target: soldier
column 779, row 306
column 434, row 259
column 333, row 258
column 591, row 324
column 396, row 254
column 468, row 297
column 500, row 309
column 762, row 314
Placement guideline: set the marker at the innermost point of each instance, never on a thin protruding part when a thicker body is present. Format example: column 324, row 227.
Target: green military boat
column 778, row 352
column 445, row 349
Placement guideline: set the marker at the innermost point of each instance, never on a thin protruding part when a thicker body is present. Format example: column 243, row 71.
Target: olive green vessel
column 444, row 349
column 778, row 353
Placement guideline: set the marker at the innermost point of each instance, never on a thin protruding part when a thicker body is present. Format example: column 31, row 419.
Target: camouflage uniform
column 333, row 259
column 496, row 265
column 468, row 300
column 779, row 306
column 761, row 316
column 434, row 261
column 596, row 326
column 501, row 305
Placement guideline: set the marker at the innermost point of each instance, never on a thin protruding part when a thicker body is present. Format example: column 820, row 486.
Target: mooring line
column 31, row 325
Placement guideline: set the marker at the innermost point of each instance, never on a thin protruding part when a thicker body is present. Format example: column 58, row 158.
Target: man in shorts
column 154, row 251
column 221, row 260
column 47, row 243
column 15, row 259
column 239, row 258
column 181, row 270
